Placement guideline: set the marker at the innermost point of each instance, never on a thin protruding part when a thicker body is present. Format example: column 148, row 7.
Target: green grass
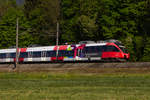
column 67, row 86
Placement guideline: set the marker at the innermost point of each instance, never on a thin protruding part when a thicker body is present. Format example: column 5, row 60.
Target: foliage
column 43, row 15
column 8, row 29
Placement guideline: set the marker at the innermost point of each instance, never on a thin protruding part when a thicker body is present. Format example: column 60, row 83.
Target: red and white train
column 111, row 50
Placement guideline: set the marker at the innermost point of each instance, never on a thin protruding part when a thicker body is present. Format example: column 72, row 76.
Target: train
column 84, row 51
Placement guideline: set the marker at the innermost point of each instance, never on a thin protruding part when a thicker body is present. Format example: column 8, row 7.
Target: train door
column 30, row 53
column 43, row 55
column 80, row 53
column 7, row 57
column 80, row 56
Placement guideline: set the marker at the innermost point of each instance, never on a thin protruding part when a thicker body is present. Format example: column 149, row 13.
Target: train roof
column 42, row 48
column 101, row 42
column 61, row 47
column 7, row 50
column 86, row 42
column 96, row 44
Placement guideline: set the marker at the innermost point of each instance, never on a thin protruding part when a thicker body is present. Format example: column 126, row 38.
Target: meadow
column 74, row 86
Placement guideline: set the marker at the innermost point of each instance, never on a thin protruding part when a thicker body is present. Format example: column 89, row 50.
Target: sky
column 20, row 2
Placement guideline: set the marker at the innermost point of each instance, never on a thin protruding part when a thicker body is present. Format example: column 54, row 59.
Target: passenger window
column 12, row 55
column 114, row 49
column 29, row 54
column 2, row 55
column 23, row 54
column 109, row 49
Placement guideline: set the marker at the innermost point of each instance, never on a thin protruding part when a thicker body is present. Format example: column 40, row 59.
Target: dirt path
column 79, row 67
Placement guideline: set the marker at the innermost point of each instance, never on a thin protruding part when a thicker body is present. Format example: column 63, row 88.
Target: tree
column 43, row 15
column 8, row 29
column 5, row 5
column 79, row 20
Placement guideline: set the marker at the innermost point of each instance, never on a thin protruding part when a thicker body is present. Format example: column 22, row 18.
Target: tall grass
column 48, row 86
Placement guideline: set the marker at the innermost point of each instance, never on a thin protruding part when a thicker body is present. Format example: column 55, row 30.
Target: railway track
column 71, row 66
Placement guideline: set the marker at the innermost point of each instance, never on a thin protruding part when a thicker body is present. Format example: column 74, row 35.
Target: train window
column 30, row 54
column 84, row 50
column 110, row 49
column 104, row 48
column 51, row 54
column 98, row 49
column 118, row 43
column 63, row 53
column 43, row 53
column 23, row 55
column 36, row 54
column 92, row 49
column 88, row 49
column 2, row 55
column 124, row 49
column 60, row 53
column 7, row 55
column 70, row 53
column 12, row 55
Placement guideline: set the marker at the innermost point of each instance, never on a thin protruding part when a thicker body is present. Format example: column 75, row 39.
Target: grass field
column 75, row 86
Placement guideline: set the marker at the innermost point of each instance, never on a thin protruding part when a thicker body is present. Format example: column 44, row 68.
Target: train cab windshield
column 124, row 49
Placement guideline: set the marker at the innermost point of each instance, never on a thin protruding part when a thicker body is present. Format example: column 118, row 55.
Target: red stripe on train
column 23, row 49
column 112, row 55
column 20, row 59
column 58, row 58
column 63, row 47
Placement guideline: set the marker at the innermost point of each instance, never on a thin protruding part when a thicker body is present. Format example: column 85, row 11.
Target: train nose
column 127, row 56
